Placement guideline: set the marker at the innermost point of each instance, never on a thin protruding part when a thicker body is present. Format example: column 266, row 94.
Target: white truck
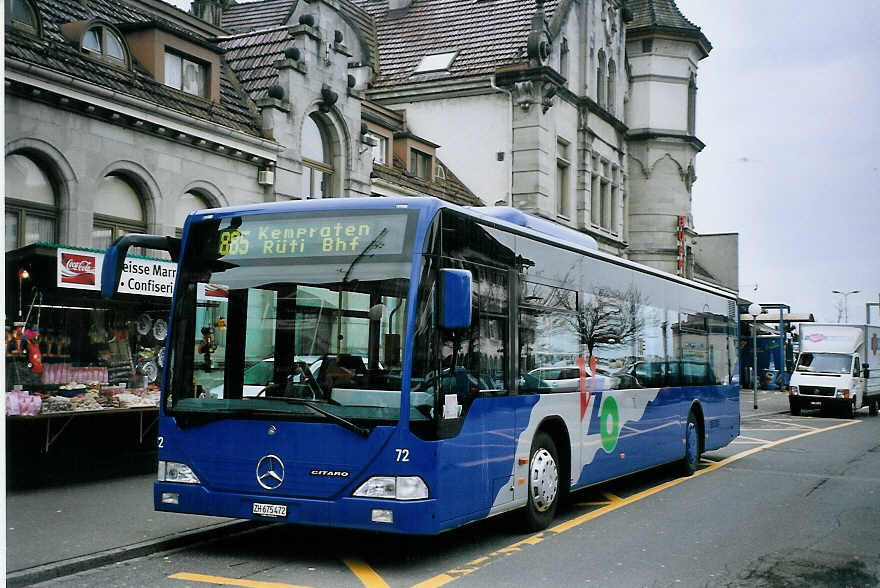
column 838, row 367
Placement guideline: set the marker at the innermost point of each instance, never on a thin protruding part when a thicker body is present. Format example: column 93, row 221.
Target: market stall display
column 82, row 372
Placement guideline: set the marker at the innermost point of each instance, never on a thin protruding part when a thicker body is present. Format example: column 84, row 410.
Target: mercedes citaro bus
column 374, row 364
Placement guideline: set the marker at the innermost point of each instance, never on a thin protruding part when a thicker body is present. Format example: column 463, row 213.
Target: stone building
column 126, row 116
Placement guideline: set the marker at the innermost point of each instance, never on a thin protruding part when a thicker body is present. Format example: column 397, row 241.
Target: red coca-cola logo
column 78, row 269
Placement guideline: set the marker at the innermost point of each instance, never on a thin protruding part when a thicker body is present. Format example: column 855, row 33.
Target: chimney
column 210, row 11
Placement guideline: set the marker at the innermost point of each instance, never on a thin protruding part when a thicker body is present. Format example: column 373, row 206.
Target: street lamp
column 845, row 307
column 755, row 310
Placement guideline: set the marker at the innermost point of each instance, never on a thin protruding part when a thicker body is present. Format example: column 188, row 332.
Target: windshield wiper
column 333, row 417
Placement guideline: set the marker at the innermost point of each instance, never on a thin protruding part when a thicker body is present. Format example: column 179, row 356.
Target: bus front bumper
column 389, row 516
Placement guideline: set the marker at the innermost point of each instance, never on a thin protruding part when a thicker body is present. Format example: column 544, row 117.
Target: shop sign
column 82, row 270
column 212, row 293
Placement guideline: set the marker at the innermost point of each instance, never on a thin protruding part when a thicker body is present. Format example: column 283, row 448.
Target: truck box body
column 838, row 365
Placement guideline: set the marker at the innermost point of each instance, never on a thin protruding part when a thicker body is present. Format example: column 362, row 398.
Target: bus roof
column 501, row 216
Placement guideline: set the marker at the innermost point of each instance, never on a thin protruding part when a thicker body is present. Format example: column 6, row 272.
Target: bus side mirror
column 455, row 299
column 866, row 371
column 114, row 257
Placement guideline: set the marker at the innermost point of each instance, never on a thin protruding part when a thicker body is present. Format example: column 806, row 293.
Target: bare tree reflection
column 610, row 317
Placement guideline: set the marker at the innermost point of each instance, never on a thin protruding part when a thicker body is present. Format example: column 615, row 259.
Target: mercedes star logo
column 270, row 472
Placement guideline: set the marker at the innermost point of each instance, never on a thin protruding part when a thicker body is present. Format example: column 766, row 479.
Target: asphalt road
column 794, row 501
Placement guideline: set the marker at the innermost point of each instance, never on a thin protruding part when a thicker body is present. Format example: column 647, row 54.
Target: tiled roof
column 54, row 52
column 450, row 189
column 252, row 16
column 662, row 14
column 486, row 34
column 251, row 56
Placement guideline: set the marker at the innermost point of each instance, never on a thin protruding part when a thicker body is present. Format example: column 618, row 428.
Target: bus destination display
column 310, row 236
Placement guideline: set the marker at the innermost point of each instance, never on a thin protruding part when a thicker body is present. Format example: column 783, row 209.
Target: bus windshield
column 298, row 316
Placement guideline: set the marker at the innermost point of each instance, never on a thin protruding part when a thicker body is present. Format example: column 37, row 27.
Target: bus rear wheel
column 543, row 483
column 873, row 406
column 691, row 445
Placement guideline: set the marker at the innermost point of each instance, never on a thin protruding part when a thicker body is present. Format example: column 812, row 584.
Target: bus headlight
column 842, row 393
column 172, row 471
column 794, row 390
column 393, row 488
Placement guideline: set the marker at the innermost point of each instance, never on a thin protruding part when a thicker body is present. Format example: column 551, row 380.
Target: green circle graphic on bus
column 609, row 423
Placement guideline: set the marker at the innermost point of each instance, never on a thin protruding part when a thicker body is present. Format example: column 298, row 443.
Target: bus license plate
column 270, row 510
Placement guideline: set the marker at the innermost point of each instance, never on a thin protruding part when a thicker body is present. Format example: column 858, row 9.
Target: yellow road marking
column 753, row 439
column 792, row 423
column 230, row 581
column 597, row 503
column 365, row 573
column 451, row 575
column 611, row 497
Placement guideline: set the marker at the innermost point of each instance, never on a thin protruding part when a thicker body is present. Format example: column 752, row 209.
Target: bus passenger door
column 477, row 417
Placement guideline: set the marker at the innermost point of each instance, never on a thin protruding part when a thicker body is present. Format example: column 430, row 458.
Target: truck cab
column 830, row 371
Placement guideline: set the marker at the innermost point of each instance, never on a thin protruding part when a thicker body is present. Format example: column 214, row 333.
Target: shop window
column 21, row 14
column 317, row 161
column 186, row 75
column 100, row 41
column 118, row 211
column 420, row 164
column 31, row 207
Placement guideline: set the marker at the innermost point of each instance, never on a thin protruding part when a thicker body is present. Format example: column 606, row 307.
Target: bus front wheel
column 543, row 483
column 691, row 445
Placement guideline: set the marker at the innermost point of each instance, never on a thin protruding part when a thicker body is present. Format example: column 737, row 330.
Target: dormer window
column 186, row 75
column 21, row 14
column 420, row 164
column 100, row 41
column 380, row 149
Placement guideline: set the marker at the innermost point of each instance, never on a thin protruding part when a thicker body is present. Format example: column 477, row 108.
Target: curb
column 66, row 567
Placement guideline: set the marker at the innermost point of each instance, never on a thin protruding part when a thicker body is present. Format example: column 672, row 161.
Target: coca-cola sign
column 76, row 269
column 143, row 277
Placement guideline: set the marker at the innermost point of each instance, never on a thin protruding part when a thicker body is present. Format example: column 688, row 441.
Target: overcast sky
column 789, row 109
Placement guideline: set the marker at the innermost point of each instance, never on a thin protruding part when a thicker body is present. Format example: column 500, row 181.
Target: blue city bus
column 407, row 365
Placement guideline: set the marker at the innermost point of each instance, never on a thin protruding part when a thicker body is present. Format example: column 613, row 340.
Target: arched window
column 317, row 159
column 118, row 210
column 189, row 202
column 30, row 202
column 21, row 14
column 101, row 41
column 601, row 79
column 612, row 79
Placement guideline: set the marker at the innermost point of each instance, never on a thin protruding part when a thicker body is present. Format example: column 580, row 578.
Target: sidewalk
column 61, row 530
column 769, row 402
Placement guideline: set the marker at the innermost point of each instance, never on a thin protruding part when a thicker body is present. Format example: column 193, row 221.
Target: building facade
column 126, row 116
